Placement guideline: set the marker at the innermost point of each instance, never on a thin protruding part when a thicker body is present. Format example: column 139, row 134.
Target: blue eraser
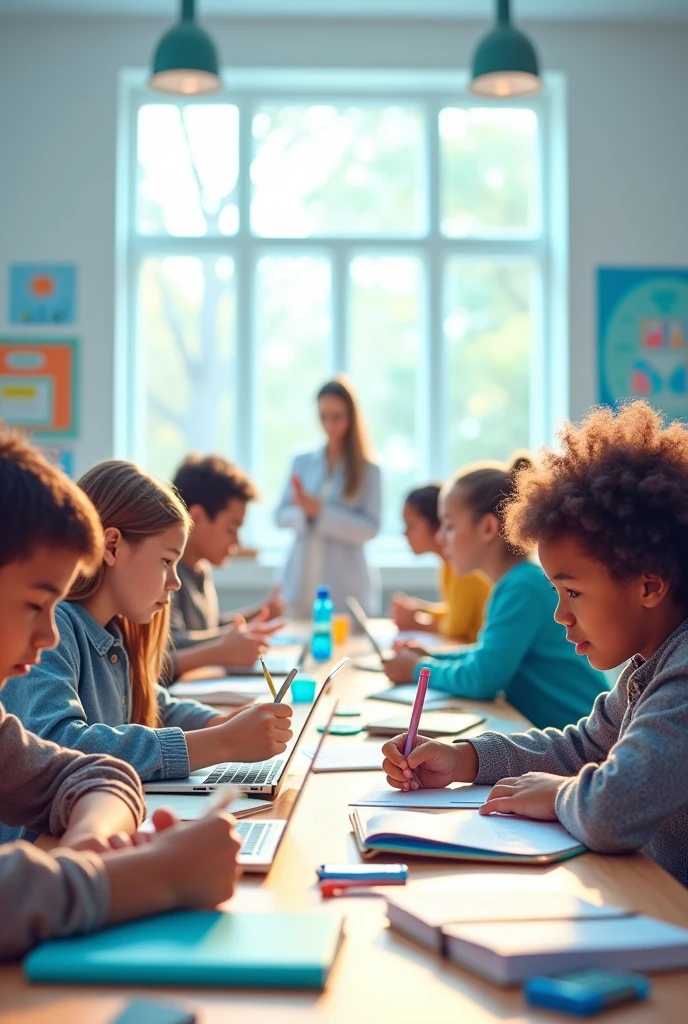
column 148, row 1011
column 586, row 992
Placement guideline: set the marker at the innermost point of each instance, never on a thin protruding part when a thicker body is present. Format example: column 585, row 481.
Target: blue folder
column 191, row 948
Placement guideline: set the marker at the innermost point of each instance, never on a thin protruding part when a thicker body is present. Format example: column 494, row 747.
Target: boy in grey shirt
column 216, row 493
column 609, row 514
column 93, row 802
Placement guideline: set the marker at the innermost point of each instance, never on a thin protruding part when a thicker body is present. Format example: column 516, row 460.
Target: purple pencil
column 423, row 681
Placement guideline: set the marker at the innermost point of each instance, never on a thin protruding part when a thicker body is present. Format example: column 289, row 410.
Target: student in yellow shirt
column 459, row 615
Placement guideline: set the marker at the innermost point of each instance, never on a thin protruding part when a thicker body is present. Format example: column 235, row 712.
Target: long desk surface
column 379, row 976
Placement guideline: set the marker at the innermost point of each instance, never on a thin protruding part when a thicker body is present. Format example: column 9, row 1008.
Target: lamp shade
column 505, row 63
column 185, row 60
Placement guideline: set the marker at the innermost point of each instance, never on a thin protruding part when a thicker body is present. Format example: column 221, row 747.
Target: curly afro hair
column 619, row 485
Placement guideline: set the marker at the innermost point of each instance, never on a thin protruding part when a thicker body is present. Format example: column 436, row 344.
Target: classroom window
column 277, row 235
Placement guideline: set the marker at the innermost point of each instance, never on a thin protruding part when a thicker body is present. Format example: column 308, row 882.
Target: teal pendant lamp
column 185, row 61
column 505, row 64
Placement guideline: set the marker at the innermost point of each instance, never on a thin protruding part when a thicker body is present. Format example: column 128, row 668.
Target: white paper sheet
column 190, row 806
column 349, row 757
column 456, row 797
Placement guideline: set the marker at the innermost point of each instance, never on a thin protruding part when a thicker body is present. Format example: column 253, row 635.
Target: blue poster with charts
column 643, row 337
column 42, row 293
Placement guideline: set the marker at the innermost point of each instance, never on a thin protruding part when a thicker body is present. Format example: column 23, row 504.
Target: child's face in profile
column 605, row 618
column 218, row 539
column 463, row 537
column 29, row 591
column 419, row 532
column 142, row 575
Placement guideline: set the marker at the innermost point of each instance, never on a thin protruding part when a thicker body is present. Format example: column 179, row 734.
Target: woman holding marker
column 332, row 503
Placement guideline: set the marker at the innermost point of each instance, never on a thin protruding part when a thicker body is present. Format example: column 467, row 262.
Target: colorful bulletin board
column 39, row 385
column 643, row 337
column 42, row 293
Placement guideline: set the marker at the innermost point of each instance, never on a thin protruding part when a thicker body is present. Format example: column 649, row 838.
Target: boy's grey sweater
column 628, row 761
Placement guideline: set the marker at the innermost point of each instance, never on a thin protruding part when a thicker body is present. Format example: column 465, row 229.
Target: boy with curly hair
column 609, row 514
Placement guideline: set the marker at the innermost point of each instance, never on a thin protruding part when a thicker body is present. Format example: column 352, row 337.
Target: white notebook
column 508, row 952
column 422, row 914
column 228, row 692
column 463, row 835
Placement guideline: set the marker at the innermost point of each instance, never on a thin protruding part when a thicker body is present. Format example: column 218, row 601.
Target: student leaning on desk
column 98, row 690
column 99, row 873
column 216, row 493
column 520, row 651
column 610, row 517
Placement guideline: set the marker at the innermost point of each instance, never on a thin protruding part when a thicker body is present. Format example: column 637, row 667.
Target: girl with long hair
column 332, row 503
column 98, row 690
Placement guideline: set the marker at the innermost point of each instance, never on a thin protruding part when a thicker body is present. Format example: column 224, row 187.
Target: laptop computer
column 261, row 839
column 278, row 664
column 259, row 778
column 374, row 662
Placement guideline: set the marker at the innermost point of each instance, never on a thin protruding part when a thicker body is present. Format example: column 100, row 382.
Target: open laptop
column 261, row 839
column 373, row 662
column 278, row 664
column 259, row 778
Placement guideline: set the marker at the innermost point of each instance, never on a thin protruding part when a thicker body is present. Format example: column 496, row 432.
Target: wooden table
column 379, row 976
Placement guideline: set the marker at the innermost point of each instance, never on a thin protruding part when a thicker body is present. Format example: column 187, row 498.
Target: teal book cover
column 192, row 948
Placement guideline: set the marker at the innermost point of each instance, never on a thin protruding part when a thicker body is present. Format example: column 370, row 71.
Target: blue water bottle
column 321, row 641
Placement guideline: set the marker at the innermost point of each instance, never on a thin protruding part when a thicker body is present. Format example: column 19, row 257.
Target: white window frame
column 433, row 90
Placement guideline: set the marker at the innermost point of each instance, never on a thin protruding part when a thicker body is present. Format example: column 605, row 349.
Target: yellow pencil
column 268, row 677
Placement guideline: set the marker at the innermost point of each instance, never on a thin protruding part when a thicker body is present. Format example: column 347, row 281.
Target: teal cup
column 303, row 691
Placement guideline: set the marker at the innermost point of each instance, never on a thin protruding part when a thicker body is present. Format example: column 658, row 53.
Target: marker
column 268, row 677
column 418, row 703
column 285, row 686
column 220, row 799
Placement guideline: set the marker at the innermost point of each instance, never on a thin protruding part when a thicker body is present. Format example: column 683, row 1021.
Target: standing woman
column 332, row 502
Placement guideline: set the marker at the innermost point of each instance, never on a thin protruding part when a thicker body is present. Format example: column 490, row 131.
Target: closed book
column 421, row 914
column 463, row 835
column 208, row 948
column 432, row 724
column 508, row 952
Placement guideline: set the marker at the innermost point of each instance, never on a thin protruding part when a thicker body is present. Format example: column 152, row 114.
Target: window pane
column 293, row 333
column 338, row 170
column 186, row 334
column 386, row 295
column 489, row 172
column 188, row 162
column 488, row 330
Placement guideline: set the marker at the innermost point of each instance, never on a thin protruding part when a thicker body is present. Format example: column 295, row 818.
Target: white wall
column 628, row 150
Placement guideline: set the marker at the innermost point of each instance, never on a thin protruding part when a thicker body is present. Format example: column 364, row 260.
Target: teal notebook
column 208, row 948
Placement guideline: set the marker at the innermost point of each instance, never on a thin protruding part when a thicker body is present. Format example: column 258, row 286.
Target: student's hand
column 261, row 625
column 533, row 795
column 309, row 503
column 402, row 611
column 430, row 765
column 401, row 668
column 239, row 645
column 256, row 734
column 275, row 604
column 165, row 874
column 98, row 842
column 221, row 719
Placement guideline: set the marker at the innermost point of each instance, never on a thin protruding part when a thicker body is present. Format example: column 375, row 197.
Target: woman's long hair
column 138, row 506
column 357, row 449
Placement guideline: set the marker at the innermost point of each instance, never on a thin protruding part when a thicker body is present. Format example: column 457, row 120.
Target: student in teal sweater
column 521, row 651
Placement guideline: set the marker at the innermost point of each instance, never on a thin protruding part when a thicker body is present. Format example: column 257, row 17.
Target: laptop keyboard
column 253, row 835
column 258, row 773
